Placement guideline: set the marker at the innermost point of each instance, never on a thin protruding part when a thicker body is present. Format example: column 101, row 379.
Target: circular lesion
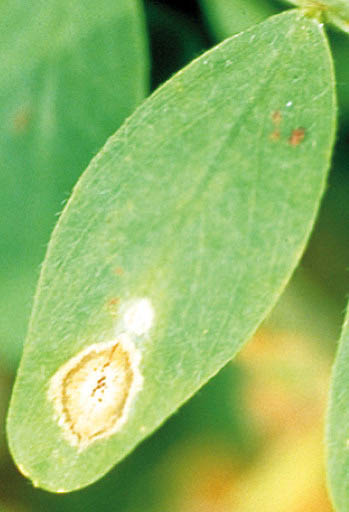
column 93, row 390
column 94, row 393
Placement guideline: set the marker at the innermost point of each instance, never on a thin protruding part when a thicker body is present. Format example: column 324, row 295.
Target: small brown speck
column 275, row 135
column 296, row 137
column 276, row 117
column 114, row 301
column 21, row 120
column 119, row 271
column 112, row 305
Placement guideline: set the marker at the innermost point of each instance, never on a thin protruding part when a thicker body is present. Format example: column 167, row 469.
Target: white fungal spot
column 289, row 104
column 92, row 392
column 139, row 317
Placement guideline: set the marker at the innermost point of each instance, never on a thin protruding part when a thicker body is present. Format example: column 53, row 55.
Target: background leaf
column 69, row 75
column 340, row 49
column 202, row 203
column 338, row 425
column 228, row 17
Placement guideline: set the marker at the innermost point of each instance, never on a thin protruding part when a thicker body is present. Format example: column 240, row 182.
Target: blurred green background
column 252, row 438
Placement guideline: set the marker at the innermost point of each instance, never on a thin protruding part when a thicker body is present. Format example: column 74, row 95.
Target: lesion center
column 95, row 391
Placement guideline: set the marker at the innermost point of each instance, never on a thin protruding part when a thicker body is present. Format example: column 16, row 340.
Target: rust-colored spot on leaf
column 92, row 391
column 119, row 271
column 296, row 137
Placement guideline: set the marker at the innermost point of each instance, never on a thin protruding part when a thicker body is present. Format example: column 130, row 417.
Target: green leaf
column 70, row 73
column 340, row 51
column 229, row 17
column 175, row 245
column 338, row 425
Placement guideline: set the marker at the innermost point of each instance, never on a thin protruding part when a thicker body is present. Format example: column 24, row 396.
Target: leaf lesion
column 92, row 391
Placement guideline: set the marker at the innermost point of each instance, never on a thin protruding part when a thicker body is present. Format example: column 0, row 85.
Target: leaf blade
column 197, row 207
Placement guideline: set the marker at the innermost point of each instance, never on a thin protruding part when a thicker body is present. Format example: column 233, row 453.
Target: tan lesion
column 93, row 390
column 94, row 393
